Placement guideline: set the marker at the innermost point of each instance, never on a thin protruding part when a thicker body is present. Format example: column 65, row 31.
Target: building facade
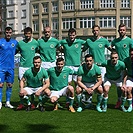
column 15, row 13
column 81, row 15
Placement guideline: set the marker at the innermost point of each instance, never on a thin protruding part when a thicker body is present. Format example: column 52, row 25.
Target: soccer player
column 37, row 82
column 27, row 49
column 47, row 49
column 128, row 82
column 7, row 52
column 122, row 44
column 114, row 68
column 59, row 83
column 89, row 80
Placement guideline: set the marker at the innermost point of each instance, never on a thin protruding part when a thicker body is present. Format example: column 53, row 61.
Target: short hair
column 121, row 25
column 88, row 56
column 113, row 52
column 60, row 59
column 8, row 28
column 71, row 30
column 27, row 29
column 36, row 57
column 96, row 26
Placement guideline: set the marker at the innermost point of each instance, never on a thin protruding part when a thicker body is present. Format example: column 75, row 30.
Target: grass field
column 63, row 121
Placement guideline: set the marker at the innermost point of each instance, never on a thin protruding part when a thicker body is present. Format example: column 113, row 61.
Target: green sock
column 123, row 101
column 32, row 98
column 129, row 101
column 71, row 100
column 105, row 101
column 99, row 99
column 119, row 93
column 26, row 99
column 21, row 101
column 45, row 99
column 79, row 100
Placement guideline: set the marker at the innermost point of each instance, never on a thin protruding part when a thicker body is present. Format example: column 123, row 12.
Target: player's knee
column 1, row 85
column 78, row 90
column 9, row 85
column 47, row 92
column 53, row 99
column 70, row 88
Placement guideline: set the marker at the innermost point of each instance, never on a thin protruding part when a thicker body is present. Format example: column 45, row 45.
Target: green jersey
column 27, row 51
column 72, row 51
column 97, row 48
column 89, row 75
column 59, row 80
column 113, row 72
column 129, row 66
column 122, row 47
column 35, row 79
column 47, row 49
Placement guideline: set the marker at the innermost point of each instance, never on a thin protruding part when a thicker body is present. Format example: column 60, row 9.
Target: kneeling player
column 37, row 81
column 89, row 80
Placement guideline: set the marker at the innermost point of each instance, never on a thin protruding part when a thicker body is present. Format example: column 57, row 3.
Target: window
column 23, row 14
column 86, row 22
column 35, row 9
column 10, row 2
column 54, row 6
column 23, row 26
column 55, row 24
column 11, row 25
column 107, row 3
column 35, row 25
column 68, row 5
column 125, row 20
column 45, row 7
column 10, row 14
column 86, row 4
column 69, row 23
column 45, row 23
column 23, row 1
column 125, row 3
column 107, row 22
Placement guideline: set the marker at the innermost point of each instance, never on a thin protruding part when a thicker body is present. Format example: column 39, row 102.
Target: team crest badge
column 52, row 46
column 100, row 45
column 32, row 48
column 12, row 44
column 76, row 45
column 124, row 45
column 64, row 76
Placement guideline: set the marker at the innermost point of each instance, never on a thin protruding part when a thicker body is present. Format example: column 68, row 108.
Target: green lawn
column 63, row 121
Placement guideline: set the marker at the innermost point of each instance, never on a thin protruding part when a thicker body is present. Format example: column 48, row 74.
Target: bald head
column 47, row 32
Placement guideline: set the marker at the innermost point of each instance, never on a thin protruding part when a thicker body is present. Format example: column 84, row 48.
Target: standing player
column 128, row 82
column 122, row 44
column 114, row 68
column 27, row 49
column 47, row 49
column 89, row 80
column 59, row 83
column 7, row 52
column 37, row 81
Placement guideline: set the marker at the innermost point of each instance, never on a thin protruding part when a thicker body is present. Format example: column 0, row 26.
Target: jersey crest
column 32, row 48
column 12, row 44
column 76, row 45
column 52, row 46
column 64, row 76
column 100, row 45
column 124, row 45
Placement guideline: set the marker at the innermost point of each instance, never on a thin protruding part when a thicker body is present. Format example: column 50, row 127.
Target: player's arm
column 98, row 83
column 124, row 80
column 22, row 84
column 45, row 86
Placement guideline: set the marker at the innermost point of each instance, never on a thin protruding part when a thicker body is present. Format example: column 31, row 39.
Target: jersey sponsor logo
column 100, row 45
column 76, row 45
column 64, row 76
column 32, row 48
column 12, row 44
column 124, row 45
column 52, row 46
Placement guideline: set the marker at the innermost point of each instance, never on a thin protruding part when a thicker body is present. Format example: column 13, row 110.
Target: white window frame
column 85, row 4
column 23, row 1
column 23, row 26
column 107, row 3
column 68, row 5
column 69, row 23
column 10, row 2
column 35, row 25
column 107, row 22
column 54, row 6
column 125, row 3
column 86, row 21
column 23, row 13
column 55, row 24
column 35, row 9
column 10, row 14
column 45, row 7
column 11, row 25
column 45, row 23
column 126, row 20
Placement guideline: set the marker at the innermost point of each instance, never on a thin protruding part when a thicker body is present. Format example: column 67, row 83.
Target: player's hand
column 38, row 93
column 23, row 92
column 124, row 88
column 89, row 90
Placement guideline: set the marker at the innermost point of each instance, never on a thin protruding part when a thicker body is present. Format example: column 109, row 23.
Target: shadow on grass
column 38, row 128
column 3, row 128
